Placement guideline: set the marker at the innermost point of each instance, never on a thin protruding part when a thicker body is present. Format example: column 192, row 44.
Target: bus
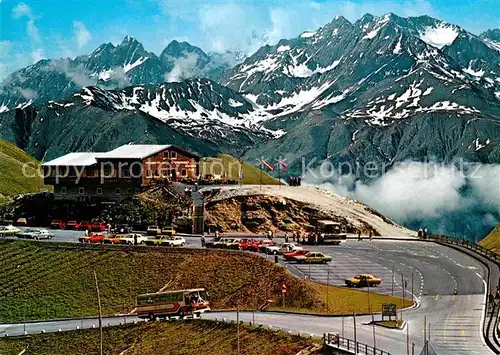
column 173, row 303
column 334, row 232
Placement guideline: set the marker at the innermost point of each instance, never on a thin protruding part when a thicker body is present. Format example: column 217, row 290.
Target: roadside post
column 283, row 291
column 327, row 289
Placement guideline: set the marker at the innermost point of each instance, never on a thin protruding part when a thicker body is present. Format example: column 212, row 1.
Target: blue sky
column 35, row 29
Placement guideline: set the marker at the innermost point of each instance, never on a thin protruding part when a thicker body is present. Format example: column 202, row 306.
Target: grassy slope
column 12, row 180
column 41, row 281
column 492, row 240
column 198, row 337
column 251, row 173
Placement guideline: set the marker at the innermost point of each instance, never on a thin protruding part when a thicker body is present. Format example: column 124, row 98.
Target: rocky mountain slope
column 198, row 114
column 380, row 90
column 383, row 89
column 110, row 67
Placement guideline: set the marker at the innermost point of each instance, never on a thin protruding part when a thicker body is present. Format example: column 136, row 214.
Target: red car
column 99, row 227
column 290, row 256
column 58, row 224
column 72, row 225
column 93, row 238
column 245, row 243
column 85, row 226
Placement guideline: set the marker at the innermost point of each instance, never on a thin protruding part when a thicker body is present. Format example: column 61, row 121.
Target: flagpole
column 261, row 168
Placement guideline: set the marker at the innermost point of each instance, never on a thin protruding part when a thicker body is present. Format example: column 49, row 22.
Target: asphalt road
column 447, row 284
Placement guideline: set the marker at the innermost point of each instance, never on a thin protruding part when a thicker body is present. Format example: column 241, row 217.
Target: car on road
column 283, row 248
column 264, row 244
column 176, row 241
column 244, row 243
column 112, row 239
column 85, row 226
column 133, row 238
column 6, row 231
column 153, row 230
column 93, row 239
column 363, row 280
column 35, row 233
column 99, row 227
column 289, row 256
column 21, row 222
column 170, row 231
column 312, row 257
column 58, row 224
column 232, row 244
column 159, row 240
column 220, row 243
column 72, row 225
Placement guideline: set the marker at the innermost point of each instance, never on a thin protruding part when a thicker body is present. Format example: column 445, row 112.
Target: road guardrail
column 336, row 341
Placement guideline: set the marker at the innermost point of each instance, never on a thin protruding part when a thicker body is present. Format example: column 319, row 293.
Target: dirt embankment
column 261, row 213
column 284, row 208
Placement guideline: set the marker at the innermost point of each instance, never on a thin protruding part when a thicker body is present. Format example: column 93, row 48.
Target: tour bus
column 334, row 232
column 173, row 303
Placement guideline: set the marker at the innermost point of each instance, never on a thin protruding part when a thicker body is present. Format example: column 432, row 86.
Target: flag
column 283, row 165
column 266, row 163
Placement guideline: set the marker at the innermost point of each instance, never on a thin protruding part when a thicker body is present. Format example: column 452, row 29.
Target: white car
column 130, row 239
column 35, row 233
column 283, row 248
column 6, row 231
column 175, row 241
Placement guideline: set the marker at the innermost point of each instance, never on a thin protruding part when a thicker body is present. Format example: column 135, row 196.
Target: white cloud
column 452, row 199
column 37, row 54
column 184, row 68
column 22, row 10
column 82, row 35
column 5, row 47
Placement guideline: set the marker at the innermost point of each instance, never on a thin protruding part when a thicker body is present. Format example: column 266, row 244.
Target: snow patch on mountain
column 476, row 73
column 283, row 49
column 440, row 36
column 129, row 66
column 307, row 34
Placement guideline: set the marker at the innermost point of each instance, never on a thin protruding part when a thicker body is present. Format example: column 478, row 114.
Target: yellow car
column 159, row 240
column 363, row 280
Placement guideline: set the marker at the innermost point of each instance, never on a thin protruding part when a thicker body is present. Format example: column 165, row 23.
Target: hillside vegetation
column 228, row 166
column 49, row 280
column 492, row 240
column 198, row 337
column 12, row 179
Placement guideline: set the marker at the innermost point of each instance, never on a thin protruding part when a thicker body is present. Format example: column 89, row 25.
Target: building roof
column 128, row 151
column 74, row 159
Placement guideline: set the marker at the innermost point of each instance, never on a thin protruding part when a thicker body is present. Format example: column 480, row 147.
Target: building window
column 129, row 190
column 173, row 155
column 118, row 191
column 99, row 191
column 165, row 155
column 183, row 172
column 64, row 191
column 81, row 190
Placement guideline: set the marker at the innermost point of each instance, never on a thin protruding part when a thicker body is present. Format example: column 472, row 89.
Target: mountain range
column 382, row 90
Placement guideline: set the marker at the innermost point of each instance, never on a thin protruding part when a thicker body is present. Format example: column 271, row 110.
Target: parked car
column 133, row 238
column 21, row 222
column 58, row 224
column 93, row 238
column 153, row 230
column 6, row 222
column 72, row 225
column 312, row 258
column 212, row 242
column 159, row 240
column 99, row 227
column 265, row 244
column 363, row 280
column 35, row 233
column 112, row 239
column 244, row 243
column 176, row 241
column 170, row 231
column 6, row 231
column 122, row 229
column 283, row 248
column 85, row 226
column 289, row 256
column 257, row 244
